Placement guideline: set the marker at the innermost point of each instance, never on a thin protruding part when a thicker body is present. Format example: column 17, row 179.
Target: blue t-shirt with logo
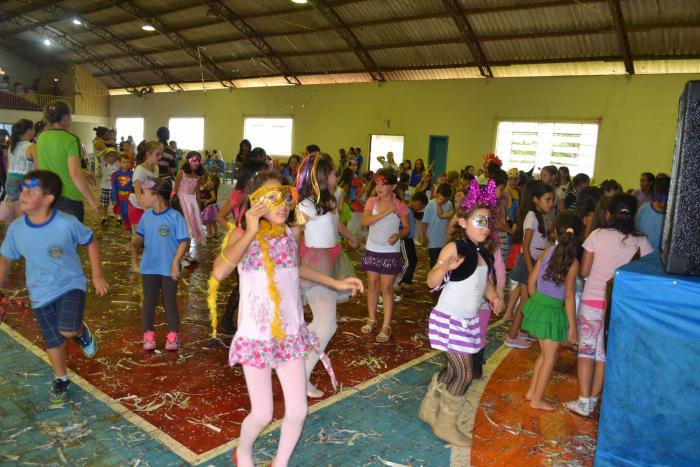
column 52, row 263
column 162, row 232
column 437, row 227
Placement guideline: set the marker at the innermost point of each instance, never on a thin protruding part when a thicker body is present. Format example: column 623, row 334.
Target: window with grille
column 527, row 144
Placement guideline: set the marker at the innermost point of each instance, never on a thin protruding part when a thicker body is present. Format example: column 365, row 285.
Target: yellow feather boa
column 265, row 232
column 214, row 284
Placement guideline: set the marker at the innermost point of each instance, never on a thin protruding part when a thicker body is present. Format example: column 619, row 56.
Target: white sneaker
column 580, row 406
column 592, row 404
column 312, row 392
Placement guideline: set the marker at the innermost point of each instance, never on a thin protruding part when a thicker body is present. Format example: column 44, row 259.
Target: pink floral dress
column 253, row 344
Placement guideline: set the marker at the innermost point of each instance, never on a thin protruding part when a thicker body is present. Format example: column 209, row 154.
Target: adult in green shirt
column 58, row 150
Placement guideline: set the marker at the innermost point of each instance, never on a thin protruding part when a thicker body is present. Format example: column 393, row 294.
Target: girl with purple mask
column 186, row 188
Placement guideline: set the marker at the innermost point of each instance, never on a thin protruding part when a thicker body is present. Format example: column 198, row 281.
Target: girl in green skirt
column 550, row 313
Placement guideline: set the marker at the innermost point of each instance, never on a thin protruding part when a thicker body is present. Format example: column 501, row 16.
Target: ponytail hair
column 568, row 230
column 622, row 210
column 18, row 129
column 55, row 111
column 312, row 182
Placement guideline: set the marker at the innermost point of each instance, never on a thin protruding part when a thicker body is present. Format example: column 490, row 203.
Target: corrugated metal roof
column 447, row 54
column 407, row 39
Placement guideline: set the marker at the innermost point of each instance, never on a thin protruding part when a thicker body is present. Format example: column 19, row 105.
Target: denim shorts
column 64, row 314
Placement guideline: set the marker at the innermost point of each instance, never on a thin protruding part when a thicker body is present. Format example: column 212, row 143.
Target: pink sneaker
column 525, row 336
column 149, row 340
column 172, row 341
column 517, row 343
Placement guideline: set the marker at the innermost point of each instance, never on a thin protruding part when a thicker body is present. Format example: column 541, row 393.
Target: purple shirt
column 546, row 286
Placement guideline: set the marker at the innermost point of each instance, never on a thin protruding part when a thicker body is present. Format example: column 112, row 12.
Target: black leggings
column 458, row 373
column 152, row 286
column 410, row 261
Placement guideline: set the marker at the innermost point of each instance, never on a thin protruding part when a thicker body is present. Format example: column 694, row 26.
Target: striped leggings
column 458, row 373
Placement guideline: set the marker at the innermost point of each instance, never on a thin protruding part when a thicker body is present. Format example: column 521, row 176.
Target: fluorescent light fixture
column 47, row 42
column 300, row 2
column 148, row 27
column 77, row 22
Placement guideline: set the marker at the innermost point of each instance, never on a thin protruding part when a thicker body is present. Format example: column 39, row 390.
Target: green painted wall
column 637, row 130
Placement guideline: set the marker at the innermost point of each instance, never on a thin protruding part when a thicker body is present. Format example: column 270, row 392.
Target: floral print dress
column 253, row 344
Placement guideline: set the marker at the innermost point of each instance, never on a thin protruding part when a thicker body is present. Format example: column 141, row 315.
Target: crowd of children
column 560, row 240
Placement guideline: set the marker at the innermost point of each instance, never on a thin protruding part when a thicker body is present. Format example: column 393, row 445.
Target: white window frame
column 184, row 138
column 271, row 142
column 549, row 133
column 137, row 137
column 380, row 144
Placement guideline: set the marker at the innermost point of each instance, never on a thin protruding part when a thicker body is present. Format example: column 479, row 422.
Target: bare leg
column 293, row 379
column 535, row 373
column 549, row 357
column 372, row 293
column 512, row 301
column 518, row 317
column 259, row 383
column 387, row 289
column 57, row 357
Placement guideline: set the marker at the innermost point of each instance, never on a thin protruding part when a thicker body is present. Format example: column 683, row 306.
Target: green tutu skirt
column 545, row 318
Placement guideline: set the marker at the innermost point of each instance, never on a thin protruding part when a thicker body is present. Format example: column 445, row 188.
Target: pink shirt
column 610, row 250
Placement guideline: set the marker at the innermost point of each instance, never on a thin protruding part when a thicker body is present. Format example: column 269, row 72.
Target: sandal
column 384, row 335
column 369, row 327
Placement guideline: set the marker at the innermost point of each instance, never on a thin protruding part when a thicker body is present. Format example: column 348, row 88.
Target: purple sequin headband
column 476, row 196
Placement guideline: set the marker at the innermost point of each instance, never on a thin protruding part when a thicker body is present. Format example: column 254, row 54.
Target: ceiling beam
column 196, row 52
column 73, row 46
column 244, row 28
column 447, row 41
column 104, row 34
column 501, row 63
column 469, row 36
column 38, row 5
column 324, row 8
column 373, row 22
column 621, row 32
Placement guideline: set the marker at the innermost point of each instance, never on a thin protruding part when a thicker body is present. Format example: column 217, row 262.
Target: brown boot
column 431, row 402
column 445, row 426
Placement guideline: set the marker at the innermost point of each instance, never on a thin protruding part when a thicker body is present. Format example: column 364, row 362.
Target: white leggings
column 259, row 383
column 323, row 302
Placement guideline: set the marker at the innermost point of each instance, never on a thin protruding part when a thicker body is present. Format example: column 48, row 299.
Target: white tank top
column 462, row 299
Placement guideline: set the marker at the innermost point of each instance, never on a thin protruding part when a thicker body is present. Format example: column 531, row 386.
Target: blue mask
column 661, row 198
column 29, row 183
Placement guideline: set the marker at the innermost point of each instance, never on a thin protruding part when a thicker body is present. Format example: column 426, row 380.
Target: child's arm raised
column 447, row 261
column 239, row 242
column 98, row 280
column 570, row 300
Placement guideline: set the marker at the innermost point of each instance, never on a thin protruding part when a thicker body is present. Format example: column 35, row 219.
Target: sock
column 584, row 401
column 63, row 378
column 593, row 402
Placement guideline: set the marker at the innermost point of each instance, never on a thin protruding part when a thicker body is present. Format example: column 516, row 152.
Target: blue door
column 437, row 155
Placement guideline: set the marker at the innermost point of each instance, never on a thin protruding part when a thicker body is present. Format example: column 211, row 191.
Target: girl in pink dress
column 271, row 330
column 186, row 188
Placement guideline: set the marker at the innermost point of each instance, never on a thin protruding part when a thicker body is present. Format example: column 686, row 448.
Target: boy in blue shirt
column 47, row 239
column 436, row 219
column 650, row 216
